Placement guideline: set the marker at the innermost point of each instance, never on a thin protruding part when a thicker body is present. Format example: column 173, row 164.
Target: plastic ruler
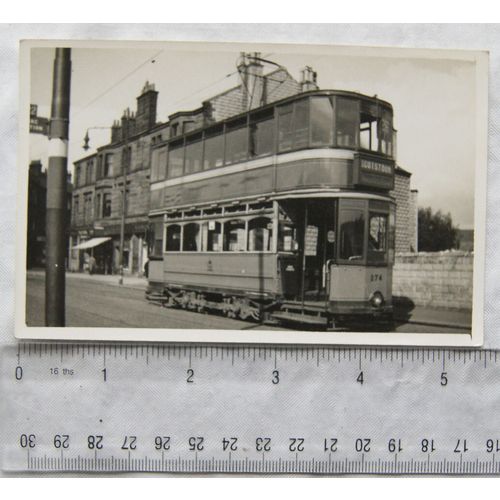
column 224, row 409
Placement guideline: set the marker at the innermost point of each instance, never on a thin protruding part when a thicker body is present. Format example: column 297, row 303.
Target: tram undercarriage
column 270, row 311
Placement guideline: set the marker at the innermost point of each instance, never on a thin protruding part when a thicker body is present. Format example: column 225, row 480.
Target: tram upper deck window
column 176, row 159
column 293, row 125
column 173, row 238
column 321, row 121
column 377, row 238
column 214, row 149
column 191, row 237
column 301, row 124
column 386, row 133
column 285, row 124
column 234, row 235
column 369, row 126
column 347, row 120
column 260, row 234
column 236, row 141
column 352, row 231
column 262, row 134
column 193, row 154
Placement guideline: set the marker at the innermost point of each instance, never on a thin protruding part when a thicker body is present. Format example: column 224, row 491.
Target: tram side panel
column 253, row 274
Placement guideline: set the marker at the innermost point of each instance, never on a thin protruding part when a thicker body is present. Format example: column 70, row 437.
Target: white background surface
column 480, row 37
column 483, row 37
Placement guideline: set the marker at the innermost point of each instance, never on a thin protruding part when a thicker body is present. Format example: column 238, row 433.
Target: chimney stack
column 128, row 123
column 308, row 79
column 146, row 108
column 116, row 131
column 251, row 72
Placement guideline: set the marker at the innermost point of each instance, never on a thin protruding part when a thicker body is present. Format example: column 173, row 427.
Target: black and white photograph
column 220, row 192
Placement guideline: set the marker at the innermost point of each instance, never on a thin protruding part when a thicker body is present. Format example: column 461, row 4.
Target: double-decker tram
column 279, row 214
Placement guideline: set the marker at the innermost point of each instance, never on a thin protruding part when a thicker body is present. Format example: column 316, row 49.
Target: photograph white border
column 480, row 58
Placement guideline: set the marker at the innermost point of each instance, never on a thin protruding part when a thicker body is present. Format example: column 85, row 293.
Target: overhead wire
column 118, row 82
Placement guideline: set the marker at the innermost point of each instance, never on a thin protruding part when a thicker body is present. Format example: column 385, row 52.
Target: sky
column 433, row 101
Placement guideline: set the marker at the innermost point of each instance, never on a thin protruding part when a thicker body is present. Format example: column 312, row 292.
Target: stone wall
column 441, row 279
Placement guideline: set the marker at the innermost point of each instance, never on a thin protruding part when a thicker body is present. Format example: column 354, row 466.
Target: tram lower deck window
column 352, row 230
column 191, row 238
column 234, row 236
column 173, row 238
column 260, row 234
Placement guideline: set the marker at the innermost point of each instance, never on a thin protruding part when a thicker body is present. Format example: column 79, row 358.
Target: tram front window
column 352, row 230
column 377, row 239
column 321, row 121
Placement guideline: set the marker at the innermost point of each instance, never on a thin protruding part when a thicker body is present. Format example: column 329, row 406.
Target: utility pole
column 57, row 178
column 126, row 157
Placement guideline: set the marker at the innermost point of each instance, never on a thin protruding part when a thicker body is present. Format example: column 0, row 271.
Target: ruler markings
column 454, row 358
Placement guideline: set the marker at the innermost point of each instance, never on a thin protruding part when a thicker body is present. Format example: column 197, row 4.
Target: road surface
column 95, row 304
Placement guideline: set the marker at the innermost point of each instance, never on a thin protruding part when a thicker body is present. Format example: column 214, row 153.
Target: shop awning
column 91, row 243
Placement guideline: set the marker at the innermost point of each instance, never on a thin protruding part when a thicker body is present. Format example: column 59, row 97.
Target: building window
column 236, row 142
column 234, row 235
column 191, row 238
column 173, row 238
column 90, row 172
column 262, row 134
column 106, row 205
column 214, row 149
column 78, row 175
column 99, row 167
column 108, row 165
column 98, row 206
column 158, row 164
column 193, row 155
column 88, row 207
column 321, row 121
column 347, row 122
column 260, row 234
column 176, row 159
column 76, row 207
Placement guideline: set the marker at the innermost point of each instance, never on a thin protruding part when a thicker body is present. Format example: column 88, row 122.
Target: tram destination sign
column 370, row 171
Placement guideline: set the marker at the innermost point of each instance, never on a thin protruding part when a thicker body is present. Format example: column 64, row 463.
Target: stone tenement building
column 97, row 207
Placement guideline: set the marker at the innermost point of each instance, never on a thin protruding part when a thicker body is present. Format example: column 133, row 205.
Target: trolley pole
column 56, row 191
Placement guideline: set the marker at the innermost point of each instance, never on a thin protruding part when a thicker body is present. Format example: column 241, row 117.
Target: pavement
column 416, row 315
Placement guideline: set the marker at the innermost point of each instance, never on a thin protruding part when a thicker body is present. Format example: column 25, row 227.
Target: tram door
column 318, row 248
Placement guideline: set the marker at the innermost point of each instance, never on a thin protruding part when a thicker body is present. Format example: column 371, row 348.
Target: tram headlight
column 377, row 299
